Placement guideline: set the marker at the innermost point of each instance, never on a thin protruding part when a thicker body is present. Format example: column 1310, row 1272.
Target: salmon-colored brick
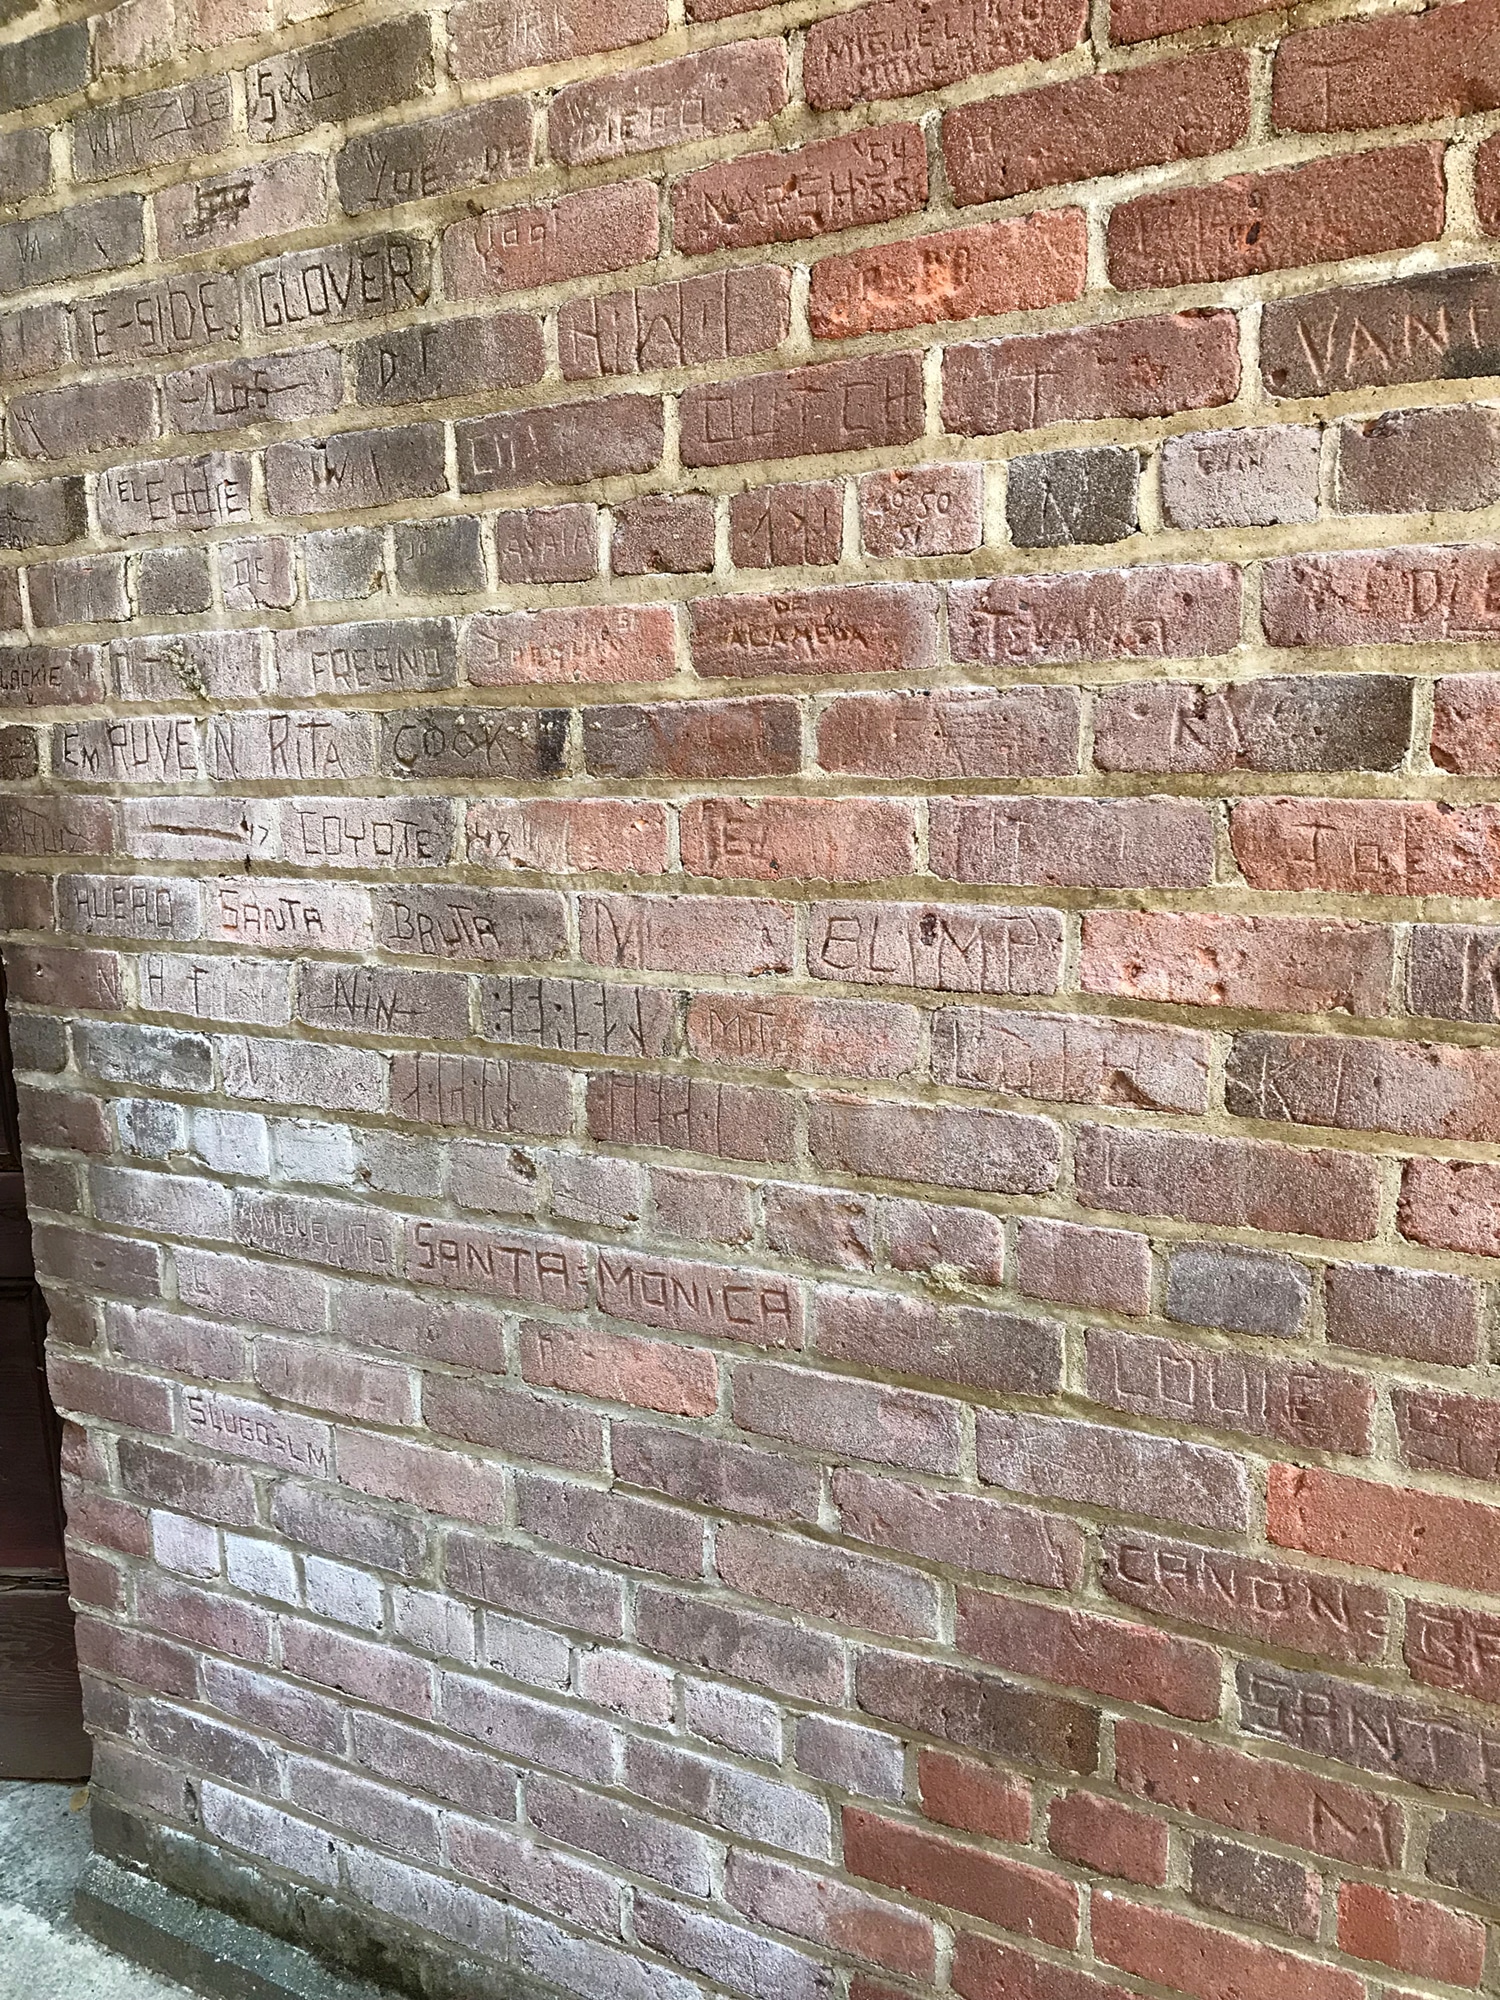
column 1210, row 1964
column 1400, row 1529
column 1140, row 20
column 1000, row 267
column 510, row 250
column 1411, row 1935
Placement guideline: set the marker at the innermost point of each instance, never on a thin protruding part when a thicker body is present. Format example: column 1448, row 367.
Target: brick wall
column 750, row 804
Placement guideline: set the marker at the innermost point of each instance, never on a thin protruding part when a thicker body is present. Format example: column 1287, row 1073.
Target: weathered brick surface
column 751, row 968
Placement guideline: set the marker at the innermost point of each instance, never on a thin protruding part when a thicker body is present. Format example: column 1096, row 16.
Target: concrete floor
column 44, row 1843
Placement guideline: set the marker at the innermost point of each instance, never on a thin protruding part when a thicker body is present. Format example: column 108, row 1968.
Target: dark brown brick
column 1437, row 326
column 1420, row 461
column 328, row 82
column 462, row 149
column 71, row 243
column 158, row 128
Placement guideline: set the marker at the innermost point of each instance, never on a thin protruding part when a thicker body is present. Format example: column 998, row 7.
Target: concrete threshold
column 75, row 1925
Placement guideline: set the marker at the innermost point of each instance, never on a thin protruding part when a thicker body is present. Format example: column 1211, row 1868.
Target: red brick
column 719, row 1639
column 896, row 48
column 1452, row 1205
column 1424, row 1315
column 64, row 979
column 1209, row 1964
column 642, row 1534
column 1142, row 613
column 746, row 936
column 995, row 1151
column 1487, row 186
column 1292, row 965
column 1071, row 842
column 1097, row 125
column 1402, row 596
column 1276, row 1604
column 444, row 1482
column 565, row 444
column 1245, row 1182
column 1259, row 1796
column 1320, row 213
column 158, row 128
column 514, row 1579
column 1126, row 368
column 373, row 1673
column 986, row 1970
column 1000, row 267
column 716, row 316
column 1443, row 1432
column 782, row 527
column 931, row 510
column 869, row 628
column 605, row 643
column 887, row 1426
column 1108, row 1269
column 1450, row 1646
column 1101, row 1834
column 621, row 1368
column 669, row 536
column 559, row 836
column 739, row 1801
column 694, row 1113
column 1071, row 1058
column 1371, row 847
column 730, row 1478
column 1413, row 1936
column 1400, row 1529
column 1261, row 1888
column 1101, row 1466
column 1424, row 1088
column 834, row 406
column 1077, row 1649
column 962, row 733
column 731, row 88
column 937, row 1240
column 1359, row 75
column 826, row 840
column 819, row 1037
column 507, row 250
column 833, row 184
column 1019, row 1898
column 517, row 1867
column 536, row 1732
column 1466, row 725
